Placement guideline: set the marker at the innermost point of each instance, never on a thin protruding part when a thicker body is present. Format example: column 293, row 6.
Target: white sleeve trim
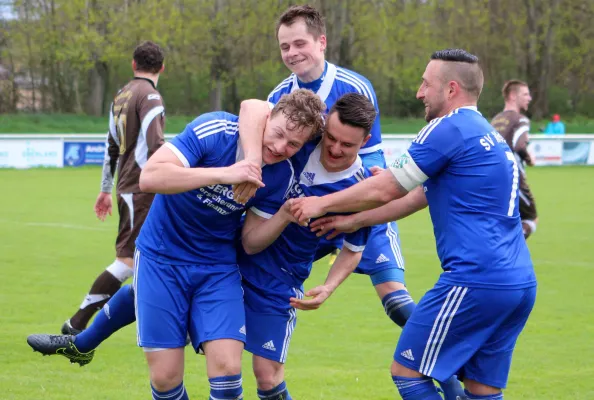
column 352, row 247
column 408, row 173
column 260, row 213
column 518, row 133
column 178, row 153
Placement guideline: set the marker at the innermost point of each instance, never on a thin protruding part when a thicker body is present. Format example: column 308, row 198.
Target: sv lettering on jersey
column 488, row 141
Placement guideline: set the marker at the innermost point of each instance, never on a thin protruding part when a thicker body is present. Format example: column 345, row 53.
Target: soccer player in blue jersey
column 279, row 254
column 301, row 34
column 187, row 279
column 469, row 322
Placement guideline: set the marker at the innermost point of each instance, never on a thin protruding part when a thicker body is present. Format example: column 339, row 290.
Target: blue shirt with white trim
column 200, row 226
column 472, row 190
column 334, row 83
column 290, row 257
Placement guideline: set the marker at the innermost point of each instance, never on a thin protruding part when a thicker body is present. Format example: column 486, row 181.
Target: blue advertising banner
column 77, row 154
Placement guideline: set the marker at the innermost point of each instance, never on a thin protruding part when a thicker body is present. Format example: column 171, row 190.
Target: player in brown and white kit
column 136, row 123
column 515, row 128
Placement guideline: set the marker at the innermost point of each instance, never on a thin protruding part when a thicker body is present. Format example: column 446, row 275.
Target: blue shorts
column 382, row 258
column 172, row 300
column 270, row 319
column 466, row 331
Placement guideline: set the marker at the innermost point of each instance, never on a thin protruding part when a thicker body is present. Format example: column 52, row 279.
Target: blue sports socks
column 416, row 388
column 116, row 314
column 177, row 393
column 226, row 388
column 277, row 393
column 399, row 306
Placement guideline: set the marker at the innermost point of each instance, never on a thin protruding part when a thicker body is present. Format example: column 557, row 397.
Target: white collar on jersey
column 327, row 83
column 472, row 108
column 314, row 172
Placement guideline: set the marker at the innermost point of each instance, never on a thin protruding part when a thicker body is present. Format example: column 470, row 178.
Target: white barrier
column 58, row 150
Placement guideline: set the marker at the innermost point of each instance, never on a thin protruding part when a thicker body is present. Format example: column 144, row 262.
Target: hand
column 306, row 208
column 286, row 210
column 375, row 170
column 103, row 205
column 244, row 191
column 242, row 171
column 337, row 223
column 319, row 294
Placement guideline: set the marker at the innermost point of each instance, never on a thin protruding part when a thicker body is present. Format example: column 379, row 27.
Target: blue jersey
column 290, row 257
column 472, row 191
column 200, row 226
column 335, row 83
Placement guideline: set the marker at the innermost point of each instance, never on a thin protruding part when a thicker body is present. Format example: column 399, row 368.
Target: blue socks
column 117, row 313
column 278, row 393
column 416, row 388
column 177, row 393
column 498, row 396
column 226, row 388
column 452, row 389
column 399, row 306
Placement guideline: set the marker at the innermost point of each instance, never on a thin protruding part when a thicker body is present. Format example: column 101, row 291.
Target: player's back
column 138, row 117
column 472, row 195
column 290, row 257
column 199, row 226
column 337, row 82
column 510, row 124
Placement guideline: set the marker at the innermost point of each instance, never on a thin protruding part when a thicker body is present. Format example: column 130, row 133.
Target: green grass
column 72, row 123
column 52, row 248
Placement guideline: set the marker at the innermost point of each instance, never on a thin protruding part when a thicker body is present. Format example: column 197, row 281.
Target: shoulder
column 214, row 122
column 354, row 81
column 281, row 88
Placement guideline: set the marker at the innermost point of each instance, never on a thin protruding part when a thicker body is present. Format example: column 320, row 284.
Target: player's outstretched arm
column 371, row 193
column 345, row 264
column 395, row 210
column 258, row 233
column 253, row 115
column 165, row 173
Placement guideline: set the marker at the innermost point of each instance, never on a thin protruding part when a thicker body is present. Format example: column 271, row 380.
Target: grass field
column 52, row 248
column 70, row 123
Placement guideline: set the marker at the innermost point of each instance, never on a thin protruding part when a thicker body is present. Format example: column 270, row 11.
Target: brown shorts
column 527, row 205
column 133, row 209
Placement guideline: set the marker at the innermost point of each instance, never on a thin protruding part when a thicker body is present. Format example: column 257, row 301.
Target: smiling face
column 301, row 52
column 341, row 144
column 433, row 91
column 280, row 142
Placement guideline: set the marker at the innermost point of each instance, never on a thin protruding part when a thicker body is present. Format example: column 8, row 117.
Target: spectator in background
column 555, row 127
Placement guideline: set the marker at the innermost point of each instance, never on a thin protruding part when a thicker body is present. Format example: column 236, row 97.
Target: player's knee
column 223, row 357
column 269, row 374
column 164, row 379
column 400, row 370
column 479, row 389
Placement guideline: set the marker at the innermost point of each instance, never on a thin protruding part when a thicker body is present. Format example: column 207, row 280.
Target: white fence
column 65, row 150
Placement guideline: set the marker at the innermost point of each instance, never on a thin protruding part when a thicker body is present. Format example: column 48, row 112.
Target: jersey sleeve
column 112, row 153
column 267, row 203
column 356, row 241
column 521, row 134
column 151, row 113
column 199, row 138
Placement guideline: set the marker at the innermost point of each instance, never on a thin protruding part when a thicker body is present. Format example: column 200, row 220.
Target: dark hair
column 462, row 67
column 512, row 86
column 356, row 110
column 149, row 57
column 312, row 17
column 457, row 55
column 303, row 109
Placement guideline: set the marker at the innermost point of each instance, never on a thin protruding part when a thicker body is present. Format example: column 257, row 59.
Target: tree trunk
column 97, row 78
